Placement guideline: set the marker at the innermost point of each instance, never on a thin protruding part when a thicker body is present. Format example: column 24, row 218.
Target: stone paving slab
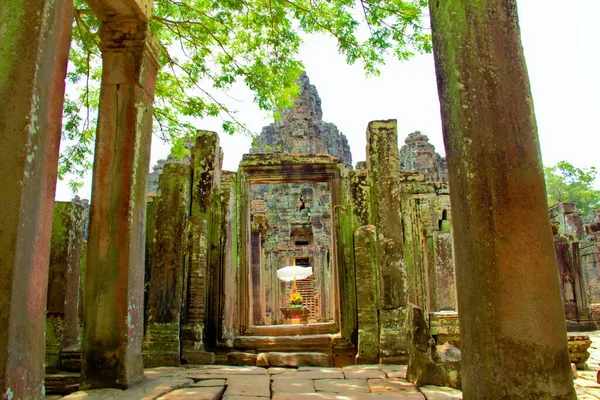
column 321, row 369
column 209, row 383
column 364, row 374
column 278, row 370
column 259, row 386
column 362, row 396
column 392, row 396
column 440, row 393
column 293, row 386
column 196, row 393
column 342, row 386
column 237, row 397
column 362, row 367
column 391, row 385
column 153, row 388
column 316, row 374
column 96, row 394
column 395, row 371
column 232, row 370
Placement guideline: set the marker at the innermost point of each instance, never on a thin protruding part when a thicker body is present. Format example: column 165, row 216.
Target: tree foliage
column 212, row 44
column 567, row 183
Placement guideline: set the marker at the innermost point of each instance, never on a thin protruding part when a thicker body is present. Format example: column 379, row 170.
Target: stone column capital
column 127, row 42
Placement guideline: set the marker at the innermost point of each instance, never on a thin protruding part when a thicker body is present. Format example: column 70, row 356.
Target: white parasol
column 292, row 272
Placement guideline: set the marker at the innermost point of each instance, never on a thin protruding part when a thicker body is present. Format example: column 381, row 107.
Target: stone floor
column 254, row 383
column 348, row 383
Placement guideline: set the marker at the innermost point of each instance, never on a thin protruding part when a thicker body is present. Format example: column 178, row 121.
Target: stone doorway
column 288, row 221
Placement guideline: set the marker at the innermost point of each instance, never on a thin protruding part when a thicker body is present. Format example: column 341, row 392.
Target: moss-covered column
column 165, row 292
column 63, row 281
column 113, row 322
column 383, row 179
column 347, row 272
column 34, row 44
column 511, row 317
column 367, row 293
column 205, row 178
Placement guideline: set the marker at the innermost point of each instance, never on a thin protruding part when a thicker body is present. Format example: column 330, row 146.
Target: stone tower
column 419, row 155
column 302, row 129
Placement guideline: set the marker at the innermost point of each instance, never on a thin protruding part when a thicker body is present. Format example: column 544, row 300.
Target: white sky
column 563, row 63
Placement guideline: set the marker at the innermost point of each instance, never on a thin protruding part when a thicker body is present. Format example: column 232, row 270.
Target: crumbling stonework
column 429, row 363
column 419, row 155
column 302, row 129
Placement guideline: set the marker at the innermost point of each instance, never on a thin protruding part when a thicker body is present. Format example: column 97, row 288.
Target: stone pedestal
column 113, row 326
column 512, row 326
column 34, row 43
column 295, row 315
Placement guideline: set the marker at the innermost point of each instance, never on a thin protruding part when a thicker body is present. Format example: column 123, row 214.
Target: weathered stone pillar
column 166, row 289
column 34, row 43
column 62, row 306
column 255, row 272
column 345, row 227
column 512, row 326
column 383, row 168
column 205, row 178
column 113, row 322
column 367, row 293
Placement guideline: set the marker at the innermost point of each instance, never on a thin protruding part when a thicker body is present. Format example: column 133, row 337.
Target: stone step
column 266, row 344
column 62, row 383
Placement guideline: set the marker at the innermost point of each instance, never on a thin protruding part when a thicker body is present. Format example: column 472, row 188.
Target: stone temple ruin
column 378, row 240
column 190, row 274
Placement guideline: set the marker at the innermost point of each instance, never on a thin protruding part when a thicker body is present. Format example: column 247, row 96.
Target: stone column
column 165, row 292
column 62, row 306
column 34, row 43
column 383, row 178
column 205, row 178
column 255, row 272
column 367, row 293
column 113, row 322
column 512, row 325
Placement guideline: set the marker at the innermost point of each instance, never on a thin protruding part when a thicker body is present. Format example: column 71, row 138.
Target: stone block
column 578, row 349
column 277, row 359
column 198, row 357
column 393, row 346
column 239, row 358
